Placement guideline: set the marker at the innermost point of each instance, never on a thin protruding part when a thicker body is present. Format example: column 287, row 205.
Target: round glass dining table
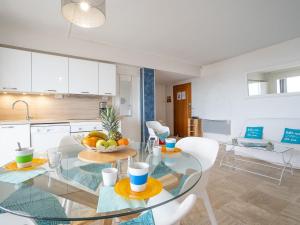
column 72, row 191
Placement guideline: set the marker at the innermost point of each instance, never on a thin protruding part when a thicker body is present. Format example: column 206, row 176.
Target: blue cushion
column 291, row 136
column 143, row 219
column 254, row 132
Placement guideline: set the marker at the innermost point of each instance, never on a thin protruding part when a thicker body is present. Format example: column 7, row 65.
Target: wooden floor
column 240, row 198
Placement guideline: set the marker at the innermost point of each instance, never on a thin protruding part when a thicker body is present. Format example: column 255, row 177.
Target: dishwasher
column 83, row 128
column 45, row 136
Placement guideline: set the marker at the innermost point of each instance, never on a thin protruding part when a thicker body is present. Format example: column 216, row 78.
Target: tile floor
column 240, row 198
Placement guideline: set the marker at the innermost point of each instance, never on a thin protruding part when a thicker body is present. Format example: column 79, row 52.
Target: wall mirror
column 125, row 95
column 280, row 81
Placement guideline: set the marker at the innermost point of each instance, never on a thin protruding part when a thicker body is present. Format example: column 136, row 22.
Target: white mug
column 109, row 176
column 138, row 173
column 170, row 144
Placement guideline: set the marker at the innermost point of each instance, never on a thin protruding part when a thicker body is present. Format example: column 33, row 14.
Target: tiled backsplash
column 49, row 107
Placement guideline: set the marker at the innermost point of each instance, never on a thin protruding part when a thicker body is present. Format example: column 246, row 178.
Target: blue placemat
column 16, row 177
column 33, row 201
column 89, row 175
column 110, row 201
column 144, row 219
column 161, row 170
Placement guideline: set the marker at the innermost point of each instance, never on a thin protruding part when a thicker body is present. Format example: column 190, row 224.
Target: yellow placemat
column 153, row 188
column 36, row 162
column 164, row 150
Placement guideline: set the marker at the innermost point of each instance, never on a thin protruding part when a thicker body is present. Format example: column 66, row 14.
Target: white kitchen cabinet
column 107, row 79
column 49, row 73
column 15, row 70
column 83, row 77
column 9, row 136
column 46, row 136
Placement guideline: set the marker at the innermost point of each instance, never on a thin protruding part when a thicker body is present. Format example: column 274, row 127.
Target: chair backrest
column 186, row 206
column 157, row 126
column 172, row 212
column 68, row 145
column 204, row 149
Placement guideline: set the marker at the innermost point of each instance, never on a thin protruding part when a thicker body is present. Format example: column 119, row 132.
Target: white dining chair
column 155, row 127
column 169, row 214
column 173, row 212
column 68, row 144
column 8, row 218
column 206, row 151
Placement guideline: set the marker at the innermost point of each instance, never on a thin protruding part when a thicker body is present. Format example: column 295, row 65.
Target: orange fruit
column 90, row 141
column 123, row 141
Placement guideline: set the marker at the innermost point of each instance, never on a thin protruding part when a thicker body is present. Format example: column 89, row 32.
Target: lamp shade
column 84, row 13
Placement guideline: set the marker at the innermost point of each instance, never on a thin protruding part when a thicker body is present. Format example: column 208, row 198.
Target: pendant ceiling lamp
column 84, row 13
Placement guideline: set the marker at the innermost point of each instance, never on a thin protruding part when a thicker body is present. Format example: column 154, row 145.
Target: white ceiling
column 168, row 78
column 196, row 32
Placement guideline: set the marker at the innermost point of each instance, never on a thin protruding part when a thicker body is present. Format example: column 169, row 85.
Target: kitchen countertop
column 46, row 121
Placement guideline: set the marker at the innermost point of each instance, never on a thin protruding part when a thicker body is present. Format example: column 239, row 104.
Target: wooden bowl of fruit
column 100, row 142
column 110, row 142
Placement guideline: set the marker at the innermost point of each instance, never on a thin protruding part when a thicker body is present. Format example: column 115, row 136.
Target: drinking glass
column 54, row 159
column 150, row 145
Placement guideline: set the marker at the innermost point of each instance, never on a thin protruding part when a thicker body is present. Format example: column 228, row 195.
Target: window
column 293, row 84
column 257, row 88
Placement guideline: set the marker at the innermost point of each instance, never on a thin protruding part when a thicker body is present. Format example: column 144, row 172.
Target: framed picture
column 178, row 95
column 183, row 95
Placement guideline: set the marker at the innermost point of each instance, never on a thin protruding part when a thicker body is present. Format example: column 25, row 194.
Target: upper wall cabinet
column 83, row 77
column 49, row 73
column 15, row 70
column 107, row 79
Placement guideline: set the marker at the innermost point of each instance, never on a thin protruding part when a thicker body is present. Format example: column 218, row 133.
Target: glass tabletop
column 258, row 145
column 72, row 192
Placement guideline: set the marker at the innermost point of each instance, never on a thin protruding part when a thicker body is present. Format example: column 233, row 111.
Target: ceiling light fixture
column 84, row 6
column 84, row 13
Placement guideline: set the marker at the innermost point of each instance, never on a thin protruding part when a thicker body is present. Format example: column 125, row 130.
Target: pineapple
column 115, row 135
column 111, row 123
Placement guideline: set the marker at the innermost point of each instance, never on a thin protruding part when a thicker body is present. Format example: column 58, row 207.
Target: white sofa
column 273, row 131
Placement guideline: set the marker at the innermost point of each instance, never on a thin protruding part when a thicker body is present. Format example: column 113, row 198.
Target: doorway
column 182, row 108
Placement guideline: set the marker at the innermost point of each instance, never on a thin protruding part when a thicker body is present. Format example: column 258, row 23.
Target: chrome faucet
column 28, row 117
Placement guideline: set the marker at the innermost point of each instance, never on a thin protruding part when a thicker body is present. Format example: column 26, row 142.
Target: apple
column 112, row 142
column 102, row 143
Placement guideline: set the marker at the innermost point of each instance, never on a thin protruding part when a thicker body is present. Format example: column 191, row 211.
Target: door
column 83, row 77
column 10, row 135
column 182, row 108
column 49, row 73
column 15, row 70
column 107, row 79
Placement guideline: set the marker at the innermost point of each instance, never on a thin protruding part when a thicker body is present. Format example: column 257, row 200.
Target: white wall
column 221, row 91
column 131, row 126
column 160, row 102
